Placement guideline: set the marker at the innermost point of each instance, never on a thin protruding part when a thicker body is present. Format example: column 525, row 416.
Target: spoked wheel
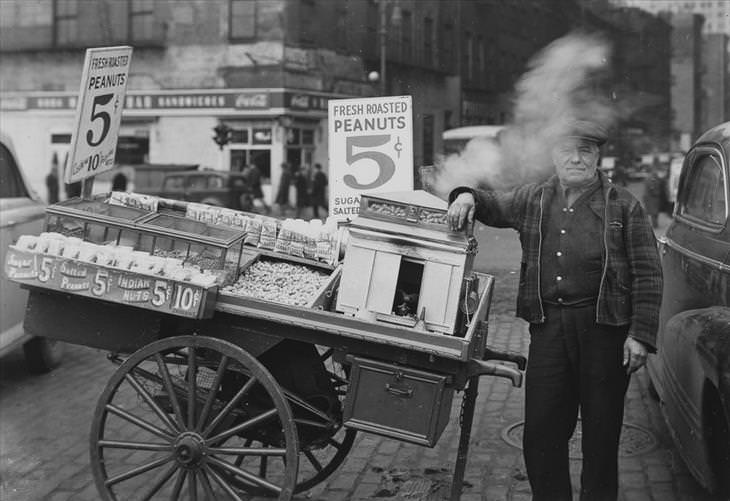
column 324, row 443
column 320, row 458
column 178, row 419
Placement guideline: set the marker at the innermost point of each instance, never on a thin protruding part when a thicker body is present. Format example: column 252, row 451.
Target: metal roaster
column 404, row 265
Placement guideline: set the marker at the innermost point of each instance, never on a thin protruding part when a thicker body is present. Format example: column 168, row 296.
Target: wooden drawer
column 398, row 402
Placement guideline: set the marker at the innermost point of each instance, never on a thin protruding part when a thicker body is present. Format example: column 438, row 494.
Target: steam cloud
column 563, row 83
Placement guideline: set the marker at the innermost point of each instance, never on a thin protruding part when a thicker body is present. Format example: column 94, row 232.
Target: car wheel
column 42, row 354
column 719, row 442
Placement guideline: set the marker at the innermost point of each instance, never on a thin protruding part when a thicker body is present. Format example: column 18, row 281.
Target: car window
column 11, row 184
column 198, row 183
column 215, row 183
column 705, row 197
column 175, row 183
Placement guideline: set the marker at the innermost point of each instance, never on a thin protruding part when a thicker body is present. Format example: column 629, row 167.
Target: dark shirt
column 572, row 249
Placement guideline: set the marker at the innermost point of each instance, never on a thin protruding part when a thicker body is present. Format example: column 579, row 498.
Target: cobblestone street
column 46, row 421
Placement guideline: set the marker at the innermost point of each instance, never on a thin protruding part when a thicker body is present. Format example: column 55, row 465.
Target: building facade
column 715, row 12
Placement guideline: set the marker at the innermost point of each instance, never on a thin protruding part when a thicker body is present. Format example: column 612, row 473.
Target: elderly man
column 590, row 287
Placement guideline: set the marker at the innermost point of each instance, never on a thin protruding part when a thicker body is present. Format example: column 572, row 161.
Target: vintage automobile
column 691, row 372
column 21, row 213
column 219, row 188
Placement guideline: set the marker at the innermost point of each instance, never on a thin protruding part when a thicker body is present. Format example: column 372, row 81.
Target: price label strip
column 110, row 284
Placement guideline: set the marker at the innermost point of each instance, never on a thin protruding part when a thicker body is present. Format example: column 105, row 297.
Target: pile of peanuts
column 432, row 217
column 279, row 282
column 387, row 209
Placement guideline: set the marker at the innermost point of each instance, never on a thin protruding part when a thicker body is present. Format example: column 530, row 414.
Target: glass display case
column 211, row 248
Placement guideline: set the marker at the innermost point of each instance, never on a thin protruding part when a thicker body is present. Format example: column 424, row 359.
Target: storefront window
column 261, row 136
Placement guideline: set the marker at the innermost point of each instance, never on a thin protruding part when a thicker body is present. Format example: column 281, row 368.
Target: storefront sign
column 109, row 284
column 370, row 149
column 168, row 100
column 99, row 112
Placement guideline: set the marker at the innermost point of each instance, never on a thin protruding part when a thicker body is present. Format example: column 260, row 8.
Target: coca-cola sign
column 252, row 100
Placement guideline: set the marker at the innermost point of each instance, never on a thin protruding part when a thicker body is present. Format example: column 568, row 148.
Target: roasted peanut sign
column 98, row 112
column 370, row 149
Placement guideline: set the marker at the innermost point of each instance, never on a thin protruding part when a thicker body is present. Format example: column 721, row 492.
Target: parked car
column 691, row 372
column 21, row 213
column 219, row 188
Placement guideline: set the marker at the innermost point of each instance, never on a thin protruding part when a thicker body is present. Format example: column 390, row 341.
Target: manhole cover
column 635, row 440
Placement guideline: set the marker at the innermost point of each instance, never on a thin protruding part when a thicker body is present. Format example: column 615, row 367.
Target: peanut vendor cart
column 251, row 350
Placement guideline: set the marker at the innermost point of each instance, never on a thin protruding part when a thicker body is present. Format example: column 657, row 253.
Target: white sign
column 370, row 149
column 99, row 112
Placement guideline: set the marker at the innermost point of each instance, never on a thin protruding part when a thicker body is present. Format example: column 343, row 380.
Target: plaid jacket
column 631, row 283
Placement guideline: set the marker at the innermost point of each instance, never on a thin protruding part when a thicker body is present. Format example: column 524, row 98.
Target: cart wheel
column 321, row 456
column 177, row 420
column 320, row 459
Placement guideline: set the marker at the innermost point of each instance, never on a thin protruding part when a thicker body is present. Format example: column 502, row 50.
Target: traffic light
column 222, row 134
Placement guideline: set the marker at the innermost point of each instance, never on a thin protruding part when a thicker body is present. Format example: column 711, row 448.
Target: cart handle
column 484, row 368
column 506, row 356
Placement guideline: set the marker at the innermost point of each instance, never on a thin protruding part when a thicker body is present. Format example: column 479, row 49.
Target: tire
column 719, row 443
column 178, row 418
column 42, row 354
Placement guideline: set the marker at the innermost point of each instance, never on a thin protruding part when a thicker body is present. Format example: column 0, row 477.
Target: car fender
column 713, row 347
column 696, row 351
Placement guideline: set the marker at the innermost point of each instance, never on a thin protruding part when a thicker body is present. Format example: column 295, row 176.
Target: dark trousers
column 574, row 364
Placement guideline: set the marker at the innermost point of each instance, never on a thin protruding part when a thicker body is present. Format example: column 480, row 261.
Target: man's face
column 576, row 161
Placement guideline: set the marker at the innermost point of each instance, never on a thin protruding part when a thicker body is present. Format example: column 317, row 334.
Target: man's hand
column 461, row 210
column 635, row 354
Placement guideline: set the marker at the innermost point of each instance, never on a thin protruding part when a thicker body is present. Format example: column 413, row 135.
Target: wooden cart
column 234, row 397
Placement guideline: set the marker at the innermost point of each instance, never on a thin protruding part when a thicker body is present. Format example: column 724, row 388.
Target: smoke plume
column 562, row 83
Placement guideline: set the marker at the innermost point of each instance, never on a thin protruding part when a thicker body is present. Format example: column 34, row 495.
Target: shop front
column 268, row 128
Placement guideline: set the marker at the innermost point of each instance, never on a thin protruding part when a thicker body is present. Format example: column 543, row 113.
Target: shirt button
column 558, row 253
column 562, row 232
column 558, row 278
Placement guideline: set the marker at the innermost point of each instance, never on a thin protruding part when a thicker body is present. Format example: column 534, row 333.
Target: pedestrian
column 252, row 174
column 282, row 193
column 119, row 182
column 52, row 181
column 590, row 287
column 653, row 196
column 301, row 185
column 319, row 185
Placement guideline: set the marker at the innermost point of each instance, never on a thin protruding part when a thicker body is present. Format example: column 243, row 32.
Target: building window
column 21, row 13
column 468, row 56
column 428, row 41
column 308, row 19
column 480, row 64
column 142, row 20
column 406, row 35
column 66, row 21
column 242, row 19
column 447, row 47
